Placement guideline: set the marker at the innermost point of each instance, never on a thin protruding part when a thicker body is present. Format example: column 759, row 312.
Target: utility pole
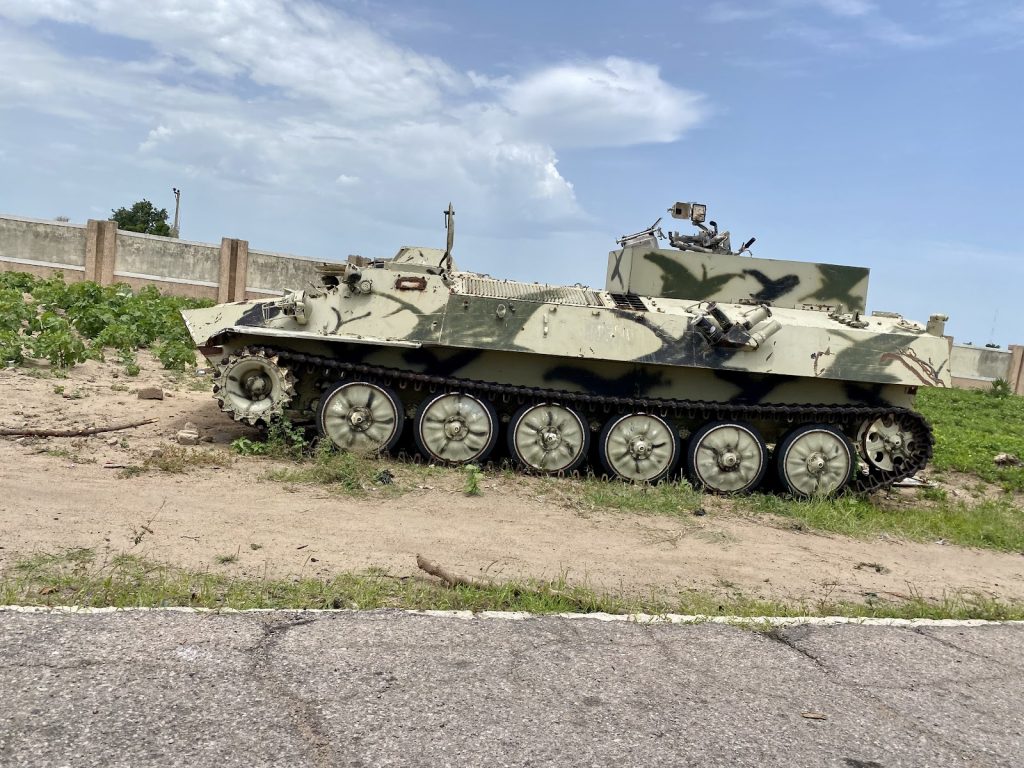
column 177, row 205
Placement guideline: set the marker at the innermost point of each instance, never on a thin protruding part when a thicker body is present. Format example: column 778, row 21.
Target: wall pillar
column 100, row 251
column 1015, row 376
column 234, row 267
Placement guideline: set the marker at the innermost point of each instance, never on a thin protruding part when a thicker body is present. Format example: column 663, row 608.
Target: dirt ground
column 58, row 493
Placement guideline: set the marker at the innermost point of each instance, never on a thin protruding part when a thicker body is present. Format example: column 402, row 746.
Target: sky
column 885, row 134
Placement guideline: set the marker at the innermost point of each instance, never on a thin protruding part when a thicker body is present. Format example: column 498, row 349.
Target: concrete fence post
column 1015, row 376
column 234, row 268
column 100, row 251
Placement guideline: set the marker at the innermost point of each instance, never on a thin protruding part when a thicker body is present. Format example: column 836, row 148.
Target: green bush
column 10, row 348
column 1000, row 388
column 55, row 339
column 176, row 355
column 68, row 323
column 22, row 282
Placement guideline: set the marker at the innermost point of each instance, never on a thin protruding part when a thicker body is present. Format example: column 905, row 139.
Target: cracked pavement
column 387, row 688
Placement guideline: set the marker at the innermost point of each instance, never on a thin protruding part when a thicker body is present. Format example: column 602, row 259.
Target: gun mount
column 708, row 239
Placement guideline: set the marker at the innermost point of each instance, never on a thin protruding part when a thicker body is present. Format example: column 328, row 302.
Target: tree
column 144, row 217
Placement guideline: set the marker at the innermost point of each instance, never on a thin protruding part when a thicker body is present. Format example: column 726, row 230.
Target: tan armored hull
column 643, row 382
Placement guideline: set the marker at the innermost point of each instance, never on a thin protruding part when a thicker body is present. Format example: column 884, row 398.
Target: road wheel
column 253, row 387
column 361, row 417
column 639, row 447
column 548, row 438
column 456, row 428
column 726, row 457
column 814, row 460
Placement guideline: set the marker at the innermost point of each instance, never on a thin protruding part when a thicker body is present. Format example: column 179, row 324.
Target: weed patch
column 177, row 459
column 282, row 441
column 472, row 476
column 79, row 577
column 344, row 471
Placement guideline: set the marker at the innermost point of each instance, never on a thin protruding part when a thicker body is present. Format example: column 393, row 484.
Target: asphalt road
column 394, row 689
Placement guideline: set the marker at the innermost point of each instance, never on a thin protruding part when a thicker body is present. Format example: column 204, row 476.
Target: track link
column 848, row 417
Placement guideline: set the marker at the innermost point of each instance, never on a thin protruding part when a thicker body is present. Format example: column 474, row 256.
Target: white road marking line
column 636, row 618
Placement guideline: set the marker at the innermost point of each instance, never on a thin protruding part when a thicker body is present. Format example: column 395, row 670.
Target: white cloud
column 611, row 103
column 287, row 95
column 302, row 47
column 852, row 23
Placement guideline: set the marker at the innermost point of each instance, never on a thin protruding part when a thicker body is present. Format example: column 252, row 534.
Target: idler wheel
column 639, row 447
column 886, row 443
column 549, row 438
column 361, row 417
column 456, row 428
column 726, row 457
column 814, row 460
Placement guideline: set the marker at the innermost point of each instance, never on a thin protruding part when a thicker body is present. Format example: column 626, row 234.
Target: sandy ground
column 59, row 493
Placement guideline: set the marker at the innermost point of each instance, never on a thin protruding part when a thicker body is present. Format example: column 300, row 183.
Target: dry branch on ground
column 83, row 432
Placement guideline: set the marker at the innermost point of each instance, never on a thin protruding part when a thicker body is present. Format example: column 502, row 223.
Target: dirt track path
column 51, row 502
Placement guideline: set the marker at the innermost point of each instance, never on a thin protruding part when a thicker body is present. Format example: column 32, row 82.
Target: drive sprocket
column 253, row 386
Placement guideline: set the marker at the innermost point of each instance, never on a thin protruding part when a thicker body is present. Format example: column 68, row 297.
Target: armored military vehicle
column 693, row 355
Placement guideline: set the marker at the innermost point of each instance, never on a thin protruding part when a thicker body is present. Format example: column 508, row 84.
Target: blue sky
column 885, row 134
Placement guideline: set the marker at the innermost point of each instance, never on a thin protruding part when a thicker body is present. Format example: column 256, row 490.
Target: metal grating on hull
column 510, row 289
column 629, row 301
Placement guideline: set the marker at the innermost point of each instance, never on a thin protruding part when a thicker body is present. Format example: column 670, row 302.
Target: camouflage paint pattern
column 409, row 314
column 728, row 278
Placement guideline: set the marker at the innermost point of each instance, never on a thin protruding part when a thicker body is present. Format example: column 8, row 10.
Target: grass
column 343, row 471
column 177, row 459
column 996, row 523
column 69, row 455
column 993, row 524
column 472, row 475
column 665, row 499
column 971, row 428
column 79, row 577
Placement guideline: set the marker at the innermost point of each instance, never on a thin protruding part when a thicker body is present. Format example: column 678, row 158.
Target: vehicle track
column 849, row 418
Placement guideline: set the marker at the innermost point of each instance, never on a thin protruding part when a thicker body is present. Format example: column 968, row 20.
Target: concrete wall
column 272, row 272
column 42, row 247
column 99, row 251
column 977, row 367
column 193, row 269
